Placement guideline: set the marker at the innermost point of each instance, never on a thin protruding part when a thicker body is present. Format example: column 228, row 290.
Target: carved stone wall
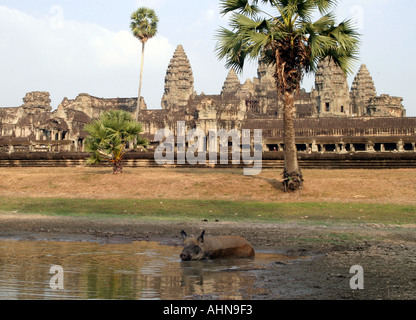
column 37, row 102
column 386, row 106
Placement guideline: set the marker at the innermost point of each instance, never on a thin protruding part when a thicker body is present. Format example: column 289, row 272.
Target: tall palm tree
column 287, row 38
column 144, row 23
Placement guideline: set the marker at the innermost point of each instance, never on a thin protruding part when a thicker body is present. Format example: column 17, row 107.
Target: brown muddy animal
column 222, row 247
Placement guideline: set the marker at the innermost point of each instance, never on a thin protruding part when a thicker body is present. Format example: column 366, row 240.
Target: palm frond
column 325, row 6
column 240, row 6
column 144, row 22
column 345, row 52
column 299, row 42
column 230, row 46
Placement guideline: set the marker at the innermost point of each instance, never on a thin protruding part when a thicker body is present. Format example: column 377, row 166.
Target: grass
column 234, row 211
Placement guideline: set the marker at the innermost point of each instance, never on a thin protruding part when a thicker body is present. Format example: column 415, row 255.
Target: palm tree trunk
column 139, row 100
column 292, row 174
column 117, row 167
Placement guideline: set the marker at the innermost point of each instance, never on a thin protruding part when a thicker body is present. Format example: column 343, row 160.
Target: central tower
column 179, row 81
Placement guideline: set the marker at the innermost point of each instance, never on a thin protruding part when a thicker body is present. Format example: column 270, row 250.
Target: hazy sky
column 69, row 47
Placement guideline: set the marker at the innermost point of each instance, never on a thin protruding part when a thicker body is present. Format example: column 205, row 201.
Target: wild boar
column 222, row 247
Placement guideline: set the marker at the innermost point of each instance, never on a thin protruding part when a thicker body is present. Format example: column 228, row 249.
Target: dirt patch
column 355, row 186
column 387, row 254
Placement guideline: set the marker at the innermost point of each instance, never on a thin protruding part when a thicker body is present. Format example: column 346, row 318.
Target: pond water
column 138, row 270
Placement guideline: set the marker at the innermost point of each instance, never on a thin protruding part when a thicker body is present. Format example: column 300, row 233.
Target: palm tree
column 109, row 136
column 144, row 27
column 288, row 39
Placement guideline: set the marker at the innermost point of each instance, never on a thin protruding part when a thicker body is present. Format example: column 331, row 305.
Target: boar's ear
column 201, row 237
column 184, row 235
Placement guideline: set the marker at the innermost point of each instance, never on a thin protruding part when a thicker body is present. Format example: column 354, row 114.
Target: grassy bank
column 176, row 210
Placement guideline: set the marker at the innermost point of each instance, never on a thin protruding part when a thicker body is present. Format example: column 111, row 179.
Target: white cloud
column 69, row 57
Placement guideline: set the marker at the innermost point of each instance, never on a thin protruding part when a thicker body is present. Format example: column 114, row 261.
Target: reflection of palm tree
column 144, row 27
column 292, row 43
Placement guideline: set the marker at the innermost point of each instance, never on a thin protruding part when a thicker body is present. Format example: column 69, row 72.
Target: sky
column 68, row 47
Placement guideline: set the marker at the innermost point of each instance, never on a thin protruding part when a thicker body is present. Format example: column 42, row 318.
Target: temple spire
column 232, row 83
column 179, row 81
column 362, row 90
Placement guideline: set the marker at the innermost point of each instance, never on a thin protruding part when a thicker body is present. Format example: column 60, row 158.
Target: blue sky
column 69, row 47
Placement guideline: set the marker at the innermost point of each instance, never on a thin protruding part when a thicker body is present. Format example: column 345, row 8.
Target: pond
column 39, row 270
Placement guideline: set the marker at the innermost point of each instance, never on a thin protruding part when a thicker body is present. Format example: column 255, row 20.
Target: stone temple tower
column 179, row 81
column 37, row 101
column 362, row 91
column 333, row 96
column 232, row 83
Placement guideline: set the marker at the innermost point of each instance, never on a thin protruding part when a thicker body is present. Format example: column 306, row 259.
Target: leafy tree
column 109, row 136
column 144, row 23
column 287, row 37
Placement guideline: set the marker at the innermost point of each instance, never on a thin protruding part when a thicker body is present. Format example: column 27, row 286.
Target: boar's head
column 194, row 247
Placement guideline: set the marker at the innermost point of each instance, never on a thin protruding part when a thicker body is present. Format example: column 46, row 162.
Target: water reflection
column 140, row 270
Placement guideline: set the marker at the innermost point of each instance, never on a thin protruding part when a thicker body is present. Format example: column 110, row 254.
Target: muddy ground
column 387, row 254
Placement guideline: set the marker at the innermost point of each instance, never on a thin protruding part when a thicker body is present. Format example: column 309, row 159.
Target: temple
column 331, row 118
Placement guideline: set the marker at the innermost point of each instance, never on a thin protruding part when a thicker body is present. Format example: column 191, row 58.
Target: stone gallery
column 331, row 118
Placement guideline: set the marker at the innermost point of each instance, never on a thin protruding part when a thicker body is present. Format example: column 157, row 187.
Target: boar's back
column 227, row 247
